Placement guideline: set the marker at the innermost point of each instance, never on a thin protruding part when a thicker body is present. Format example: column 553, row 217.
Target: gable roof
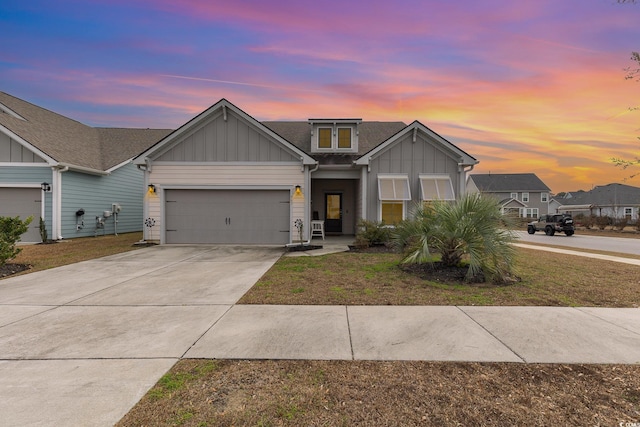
column 223, row 104
column 508, row 182
column 415, row 127
column 64, row 141
column 604, row 195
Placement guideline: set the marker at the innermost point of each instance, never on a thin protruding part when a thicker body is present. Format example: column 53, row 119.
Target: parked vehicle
column 561, row 223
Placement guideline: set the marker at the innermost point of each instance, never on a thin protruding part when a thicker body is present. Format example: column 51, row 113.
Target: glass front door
column 333, row 213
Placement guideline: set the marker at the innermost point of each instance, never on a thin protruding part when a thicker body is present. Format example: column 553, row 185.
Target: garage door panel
column 227, row 216
column 23, row 202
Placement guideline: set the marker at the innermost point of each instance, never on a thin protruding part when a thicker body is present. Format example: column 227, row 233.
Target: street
column 578, row 241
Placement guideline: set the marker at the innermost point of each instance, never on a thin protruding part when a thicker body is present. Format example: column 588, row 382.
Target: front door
column 333, row 213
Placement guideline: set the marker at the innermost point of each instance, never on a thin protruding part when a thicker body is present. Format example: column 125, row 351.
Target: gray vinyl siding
column 413, row 159
column 233, row 140
column 95, row 194
column 33, row 176
column 13, row 152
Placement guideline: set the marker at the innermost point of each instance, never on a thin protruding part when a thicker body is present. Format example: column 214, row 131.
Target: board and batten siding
column 96, row 194
column 30, row 176
column 410, row 158
column 221, row 176
column 230, row 140
column 13, row 152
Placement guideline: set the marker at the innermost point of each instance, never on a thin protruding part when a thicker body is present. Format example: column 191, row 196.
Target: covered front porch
column 335, row 201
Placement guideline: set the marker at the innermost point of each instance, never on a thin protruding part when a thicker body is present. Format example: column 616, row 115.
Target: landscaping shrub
column 471, row 227
column 10, row 231
column 372, row 233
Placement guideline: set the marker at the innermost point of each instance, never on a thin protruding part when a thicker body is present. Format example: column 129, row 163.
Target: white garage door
column 23, row 202
column 227, row 216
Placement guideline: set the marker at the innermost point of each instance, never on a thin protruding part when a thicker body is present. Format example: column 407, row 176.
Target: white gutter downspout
column 463, row 177
column 56, row 200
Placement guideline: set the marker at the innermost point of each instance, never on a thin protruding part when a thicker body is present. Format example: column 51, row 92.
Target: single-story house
column 520, row 194
column 225, row 177
column 616, row 201
column 79, row 179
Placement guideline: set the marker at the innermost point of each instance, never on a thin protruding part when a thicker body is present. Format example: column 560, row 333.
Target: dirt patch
column 9, row 268
column 346, row 393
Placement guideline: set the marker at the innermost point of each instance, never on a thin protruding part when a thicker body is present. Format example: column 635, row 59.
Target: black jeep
column 552, row 223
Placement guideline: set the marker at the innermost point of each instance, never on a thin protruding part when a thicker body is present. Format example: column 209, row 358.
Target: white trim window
column 525, row 197
column 514, row 196
column 436, row 187
column 628, row 213
column 544, row 197
column 393, row 192
column 530, row 212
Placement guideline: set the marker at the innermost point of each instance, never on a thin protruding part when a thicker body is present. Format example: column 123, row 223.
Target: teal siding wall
column 95, row 194
column 30, row 175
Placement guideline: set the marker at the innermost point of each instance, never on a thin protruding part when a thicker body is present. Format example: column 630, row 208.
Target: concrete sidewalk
column 81, row 344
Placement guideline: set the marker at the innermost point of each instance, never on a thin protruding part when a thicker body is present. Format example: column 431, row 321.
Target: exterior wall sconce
column 298, row 191
column 45, row 187
column 152, row 189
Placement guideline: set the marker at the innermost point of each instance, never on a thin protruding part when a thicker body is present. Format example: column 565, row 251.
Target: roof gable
column 224, row 132
column 508, row 182
column 64, row 141
column 414, row 129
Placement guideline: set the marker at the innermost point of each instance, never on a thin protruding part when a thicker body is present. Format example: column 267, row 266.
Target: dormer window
column 334, row 135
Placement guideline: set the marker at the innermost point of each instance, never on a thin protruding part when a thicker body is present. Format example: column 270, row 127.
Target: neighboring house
column 224, row 177
column 521, row 194
column 613, row 200
column 57, row 168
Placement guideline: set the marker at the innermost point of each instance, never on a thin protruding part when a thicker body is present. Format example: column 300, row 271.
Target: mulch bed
column 9, row 269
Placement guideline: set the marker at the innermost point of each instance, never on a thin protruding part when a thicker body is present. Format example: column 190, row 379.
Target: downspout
column 146, row 168
column 462, row 185
column 56, row 201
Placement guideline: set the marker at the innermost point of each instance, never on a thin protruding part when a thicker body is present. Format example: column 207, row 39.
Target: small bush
column 621, row 223
column 602, row 222
column 10, row 231
column 372, row 233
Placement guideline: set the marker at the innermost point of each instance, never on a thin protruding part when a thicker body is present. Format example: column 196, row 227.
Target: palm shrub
column 471, row 228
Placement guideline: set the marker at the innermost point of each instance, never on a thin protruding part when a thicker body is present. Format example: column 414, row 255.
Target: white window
column 514, row 196
column 544, row 197
column 525, row 197
column 393, row 191
column 436, row 187
column 628, row 213
column 530, row 213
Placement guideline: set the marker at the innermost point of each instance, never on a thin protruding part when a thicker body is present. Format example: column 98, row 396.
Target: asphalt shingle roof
column 604, row 195
column 508, row 182
column 370, row 135
column 68, row 141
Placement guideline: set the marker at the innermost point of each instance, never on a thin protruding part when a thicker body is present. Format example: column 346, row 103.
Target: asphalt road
column 578, row 241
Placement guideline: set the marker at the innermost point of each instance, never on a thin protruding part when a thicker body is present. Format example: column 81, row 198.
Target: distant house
column 613, row 200
column 79, row 179
column 225, row 177
column 519, row 194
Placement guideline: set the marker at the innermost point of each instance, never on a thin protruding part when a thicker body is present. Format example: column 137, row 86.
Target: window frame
column 403, row 206
column 544, row 197
column 343, row 128
column 514, row 196
column 525, row 197
column 398, row 181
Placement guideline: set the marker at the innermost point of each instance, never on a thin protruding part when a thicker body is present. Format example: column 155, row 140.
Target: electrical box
column 106, row 214
column 115, row 208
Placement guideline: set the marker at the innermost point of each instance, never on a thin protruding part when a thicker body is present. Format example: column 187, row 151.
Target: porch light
column 45, row 187
column 298, row 191
column 152, row 189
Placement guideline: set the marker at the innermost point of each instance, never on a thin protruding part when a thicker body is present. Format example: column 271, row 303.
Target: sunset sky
column 523, row 86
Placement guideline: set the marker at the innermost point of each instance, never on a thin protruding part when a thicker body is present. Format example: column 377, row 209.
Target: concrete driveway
column 81, row 344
